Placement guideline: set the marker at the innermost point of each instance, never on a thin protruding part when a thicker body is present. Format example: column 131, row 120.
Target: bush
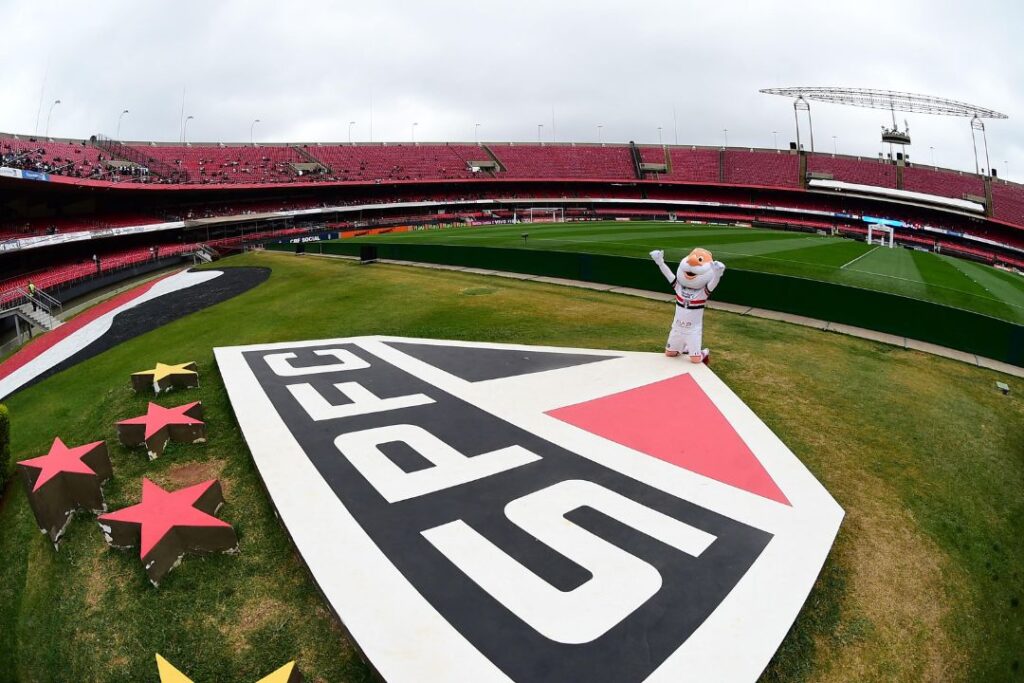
column 5, row 445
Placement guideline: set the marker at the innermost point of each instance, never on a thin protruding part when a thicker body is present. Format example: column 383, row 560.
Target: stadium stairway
column 499, row 167
column 25, row 320
column 314, row 163
column 41, row 317
column 638, row 162
column 38, row 310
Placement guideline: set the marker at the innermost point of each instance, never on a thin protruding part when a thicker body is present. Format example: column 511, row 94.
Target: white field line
column 718, row 250
column 802, row 263
column 816, row 265
column 994, row 296
column 848, row 263
column 933, row 285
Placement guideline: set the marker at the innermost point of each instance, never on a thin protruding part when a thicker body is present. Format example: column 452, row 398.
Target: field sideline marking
column 813, row 265
column 870, row 251
column 853, row 331
column 940, row 287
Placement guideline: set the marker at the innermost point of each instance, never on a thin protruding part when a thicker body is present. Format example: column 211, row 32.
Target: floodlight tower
column 799, row 105
column 976, row 125
column 891, row 101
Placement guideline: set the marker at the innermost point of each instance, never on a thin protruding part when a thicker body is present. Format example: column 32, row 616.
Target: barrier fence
column 880, row 311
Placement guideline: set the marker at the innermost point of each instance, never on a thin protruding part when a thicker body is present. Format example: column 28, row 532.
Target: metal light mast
column 891, row 101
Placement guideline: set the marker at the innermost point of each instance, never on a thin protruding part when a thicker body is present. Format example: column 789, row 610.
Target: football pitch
column 920, row 275
column 923, row 582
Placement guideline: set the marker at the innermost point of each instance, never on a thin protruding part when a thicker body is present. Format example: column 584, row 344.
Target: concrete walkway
column 824, row 325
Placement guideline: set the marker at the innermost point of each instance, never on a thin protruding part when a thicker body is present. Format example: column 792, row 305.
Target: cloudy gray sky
column 306, row 69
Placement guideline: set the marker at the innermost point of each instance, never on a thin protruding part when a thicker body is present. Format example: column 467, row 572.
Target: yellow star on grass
column 163, row 370
column 166, row 376
column 168, row 674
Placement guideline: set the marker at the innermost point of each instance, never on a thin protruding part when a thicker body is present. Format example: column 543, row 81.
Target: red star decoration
column 60, row 459
column 158, row 417
column 161, row 511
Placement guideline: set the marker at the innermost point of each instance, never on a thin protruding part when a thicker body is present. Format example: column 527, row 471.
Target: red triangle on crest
column 674, row 420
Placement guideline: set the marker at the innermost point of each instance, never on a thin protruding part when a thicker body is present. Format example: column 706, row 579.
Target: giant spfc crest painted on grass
column 479, row 512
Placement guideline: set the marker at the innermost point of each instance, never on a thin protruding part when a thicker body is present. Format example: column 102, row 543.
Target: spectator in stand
column 32, row 294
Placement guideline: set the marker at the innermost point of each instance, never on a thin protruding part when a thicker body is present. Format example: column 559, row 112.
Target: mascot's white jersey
column 692, row 283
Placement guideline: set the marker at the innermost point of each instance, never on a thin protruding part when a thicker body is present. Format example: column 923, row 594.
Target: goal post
column 540, row 214
column 882, row 234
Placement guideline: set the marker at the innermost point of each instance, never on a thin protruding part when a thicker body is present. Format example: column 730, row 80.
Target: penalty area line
column 850, row 263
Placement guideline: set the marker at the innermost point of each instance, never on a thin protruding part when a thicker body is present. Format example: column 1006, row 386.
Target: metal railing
column 17, row 306
column 204, row 253
column 43, row 301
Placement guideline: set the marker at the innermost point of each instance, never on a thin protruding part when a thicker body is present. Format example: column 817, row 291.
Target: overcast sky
column 306, row 69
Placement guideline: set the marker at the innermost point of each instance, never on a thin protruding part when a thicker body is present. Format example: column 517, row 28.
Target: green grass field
column 920, row 275
column 925, row 581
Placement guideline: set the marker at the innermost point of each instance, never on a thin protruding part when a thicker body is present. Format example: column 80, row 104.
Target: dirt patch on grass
column 189, row 473
column 253, row 616
column 904, row 592
column 95, row 584
column 897, row 579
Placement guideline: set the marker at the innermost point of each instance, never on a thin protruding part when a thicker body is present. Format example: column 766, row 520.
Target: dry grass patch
column 897, row 582
column 190, row 473
column 96, row 582
column 253, row 616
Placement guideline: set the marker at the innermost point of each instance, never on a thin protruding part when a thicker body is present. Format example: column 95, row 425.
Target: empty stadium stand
column 235, row 182
column 694, row 165
column 653, row 155
column 564, row 161
column 49, row 226
column 1008, row 202
column 258, row 165
column 943, row 183
column 768, row 168
column 55, row 277
column 63, row 274
column 853, row 169
column 398, row 162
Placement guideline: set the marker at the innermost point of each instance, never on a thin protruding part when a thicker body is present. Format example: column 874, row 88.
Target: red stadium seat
column 853, row 169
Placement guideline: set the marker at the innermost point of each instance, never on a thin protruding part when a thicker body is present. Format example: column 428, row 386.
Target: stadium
column 400, row 359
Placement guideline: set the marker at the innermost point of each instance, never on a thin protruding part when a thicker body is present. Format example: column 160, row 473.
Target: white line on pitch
column 858, row 258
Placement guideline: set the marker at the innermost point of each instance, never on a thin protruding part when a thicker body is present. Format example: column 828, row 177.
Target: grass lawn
column 922, row 275
column 924, row 583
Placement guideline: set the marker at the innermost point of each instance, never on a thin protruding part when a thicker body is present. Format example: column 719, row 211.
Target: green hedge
column 880, row 311
column 5, row 446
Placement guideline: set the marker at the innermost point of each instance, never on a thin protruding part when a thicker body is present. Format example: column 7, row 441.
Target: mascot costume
column 697, row 276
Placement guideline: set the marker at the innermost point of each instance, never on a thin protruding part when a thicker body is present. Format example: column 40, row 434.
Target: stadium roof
column 891, row 100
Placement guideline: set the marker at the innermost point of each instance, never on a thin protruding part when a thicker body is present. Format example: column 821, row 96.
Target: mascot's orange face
column 695, row 270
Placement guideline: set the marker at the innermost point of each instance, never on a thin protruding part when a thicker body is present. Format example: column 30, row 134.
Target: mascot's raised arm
column 697, row 276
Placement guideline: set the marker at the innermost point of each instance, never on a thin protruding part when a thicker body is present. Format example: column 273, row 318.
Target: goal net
column 535, row 214
column 881, row 235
